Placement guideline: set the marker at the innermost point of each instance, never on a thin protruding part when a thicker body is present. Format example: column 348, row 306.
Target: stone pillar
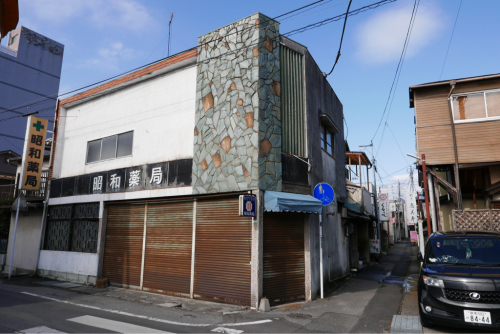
column 237, row 122
column 257, row 252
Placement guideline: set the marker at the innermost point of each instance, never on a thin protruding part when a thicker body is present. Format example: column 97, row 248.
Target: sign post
column 31, row 169
column 324, row 192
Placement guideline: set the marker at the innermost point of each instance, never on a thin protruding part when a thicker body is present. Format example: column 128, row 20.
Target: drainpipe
column 457, row 176
column 426, row 193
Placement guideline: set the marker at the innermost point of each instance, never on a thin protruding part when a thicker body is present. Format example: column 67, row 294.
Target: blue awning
column 275, row 201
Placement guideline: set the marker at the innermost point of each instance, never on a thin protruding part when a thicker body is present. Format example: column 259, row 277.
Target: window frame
column 13, row 39
column 474, row 120
column 116, row 148
column 323, row 138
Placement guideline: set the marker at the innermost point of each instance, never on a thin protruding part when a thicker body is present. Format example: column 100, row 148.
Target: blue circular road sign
column 324, row 192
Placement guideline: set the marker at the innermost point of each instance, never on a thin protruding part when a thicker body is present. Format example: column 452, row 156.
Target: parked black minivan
column 459, row 283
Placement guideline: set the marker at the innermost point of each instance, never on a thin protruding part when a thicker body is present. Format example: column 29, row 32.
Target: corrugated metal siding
column 284, row 267
column 167, row 262
column 123, row 245
column 223, row 252
column 292, row 102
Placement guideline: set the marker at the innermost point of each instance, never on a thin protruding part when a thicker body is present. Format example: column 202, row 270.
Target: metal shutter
column 284, row 269
column 169, row 238
column 223, row 252
column 123, row 245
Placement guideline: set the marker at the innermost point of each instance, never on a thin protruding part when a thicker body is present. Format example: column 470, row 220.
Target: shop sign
column 414, row 236
column 374, row 246
column 34, row 148
column 383, row 201
column 411, row 209
column 247, row 206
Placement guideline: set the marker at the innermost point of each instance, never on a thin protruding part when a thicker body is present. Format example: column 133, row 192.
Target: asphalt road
column 364, row 303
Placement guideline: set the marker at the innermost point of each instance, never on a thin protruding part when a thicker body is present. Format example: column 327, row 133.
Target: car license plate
column 477, row 317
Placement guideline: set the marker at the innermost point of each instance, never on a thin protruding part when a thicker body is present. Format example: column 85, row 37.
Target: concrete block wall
column 237, row 123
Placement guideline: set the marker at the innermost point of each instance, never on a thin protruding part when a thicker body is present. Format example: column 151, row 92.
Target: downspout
column 457, row 176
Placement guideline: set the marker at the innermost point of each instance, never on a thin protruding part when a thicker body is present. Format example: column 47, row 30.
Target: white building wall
column 160, row 111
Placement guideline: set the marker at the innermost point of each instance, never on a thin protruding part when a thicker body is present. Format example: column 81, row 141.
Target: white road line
column 40, row 329
column 226, row 330
column 116, row 326
column 146, row 317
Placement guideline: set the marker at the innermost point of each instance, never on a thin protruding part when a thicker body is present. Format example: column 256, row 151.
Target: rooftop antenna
column 169, row 33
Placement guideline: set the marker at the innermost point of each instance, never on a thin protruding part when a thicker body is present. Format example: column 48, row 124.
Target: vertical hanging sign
column 383, row 202
column 411, row 209
column 34, row 148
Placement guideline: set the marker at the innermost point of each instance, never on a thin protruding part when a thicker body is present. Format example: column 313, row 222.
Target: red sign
column 382, row 197
column 392, row 219
column 414, row 236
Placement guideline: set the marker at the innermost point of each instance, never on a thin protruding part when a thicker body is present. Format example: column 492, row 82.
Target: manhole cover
column 300, row 316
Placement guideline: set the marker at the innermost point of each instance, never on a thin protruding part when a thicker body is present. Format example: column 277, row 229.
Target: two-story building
column 457, row 125
column 147, row 172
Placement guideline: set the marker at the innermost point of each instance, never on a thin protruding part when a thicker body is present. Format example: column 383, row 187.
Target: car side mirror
column 420, row 257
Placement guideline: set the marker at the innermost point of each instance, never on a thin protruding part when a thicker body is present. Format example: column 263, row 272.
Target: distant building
column 30, row 71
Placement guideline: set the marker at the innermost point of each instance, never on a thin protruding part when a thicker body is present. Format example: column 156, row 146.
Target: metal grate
column 492, row 297
column 72, row 228
column 292, row 102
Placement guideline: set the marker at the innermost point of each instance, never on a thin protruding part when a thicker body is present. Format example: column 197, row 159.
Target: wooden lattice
column 495, row 219
column 476, row 220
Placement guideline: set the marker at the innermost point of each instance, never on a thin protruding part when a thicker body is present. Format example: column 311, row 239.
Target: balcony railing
column 361, row 198
column 35, row 194
column 476, row 220
column 8, row 51
column 7, row 191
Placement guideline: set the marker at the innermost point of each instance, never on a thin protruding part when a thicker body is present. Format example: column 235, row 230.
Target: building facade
column 456, row 127
column 145, row 182
column 30, row 71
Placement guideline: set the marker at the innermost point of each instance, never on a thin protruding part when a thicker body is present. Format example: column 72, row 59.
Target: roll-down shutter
column 169, row 237
column 223, row 252
column 284, row 269
column 123, row 245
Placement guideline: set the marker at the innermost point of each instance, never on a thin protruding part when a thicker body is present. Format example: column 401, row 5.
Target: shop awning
column 275, row 201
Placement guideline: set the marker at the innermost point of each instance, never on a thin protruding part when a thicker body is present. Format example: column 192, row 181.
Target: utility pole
column 398, row 220
column 379, row 237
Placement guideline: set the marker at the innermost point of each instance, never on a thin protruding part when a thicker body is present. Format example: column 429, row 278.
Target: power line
column 55, row 95
column 451, row 38
column 341, row 39
column 293, row 32
column 405, row 46
column 395, row 172
column 339, row 17
column 400, row 150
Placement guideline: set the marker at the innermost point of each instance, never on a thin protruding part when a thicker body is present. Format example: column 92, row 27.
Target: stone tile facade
column 237, row 125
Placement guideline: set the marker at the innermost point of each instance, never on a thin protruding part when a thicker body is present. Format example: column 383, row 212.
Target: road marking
column 146, row 317
column 40, row 329
column 111, row 325
column 226, row 330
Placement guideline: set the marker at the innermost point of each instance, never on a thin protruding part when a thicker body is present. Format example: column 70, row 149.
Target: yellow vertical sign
column 34, row 148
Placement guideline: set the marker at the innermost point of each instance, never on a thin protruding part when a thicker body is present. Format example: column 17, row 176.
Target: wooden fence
column 476, row 220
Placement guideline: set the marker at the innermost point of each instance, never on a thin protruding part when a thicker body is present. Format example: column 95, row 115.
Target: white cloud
column 109, row 57
column 122, row 14
column 381, row 38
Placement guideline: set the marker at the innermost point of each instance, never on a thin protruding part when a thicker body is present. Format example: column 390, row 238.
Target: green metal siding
column 292, row 102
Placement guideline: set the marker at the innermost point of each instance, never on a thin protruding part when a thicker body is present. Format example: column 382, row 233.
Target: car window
column 463, row 250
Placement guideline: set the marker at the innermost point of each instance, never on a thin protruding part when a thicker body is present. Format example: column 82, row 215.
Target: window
column 477, row 106
column 13, row 39
column 327, row 140
column 110, row 147
column 72, row 228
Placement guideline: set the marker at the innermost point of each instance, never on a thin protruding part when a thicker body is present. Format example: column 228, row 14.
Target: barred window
column 72, row 228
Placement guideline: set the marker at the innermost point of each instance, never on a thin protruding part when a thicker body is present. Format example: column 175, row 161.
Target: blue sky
column 103, row 38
